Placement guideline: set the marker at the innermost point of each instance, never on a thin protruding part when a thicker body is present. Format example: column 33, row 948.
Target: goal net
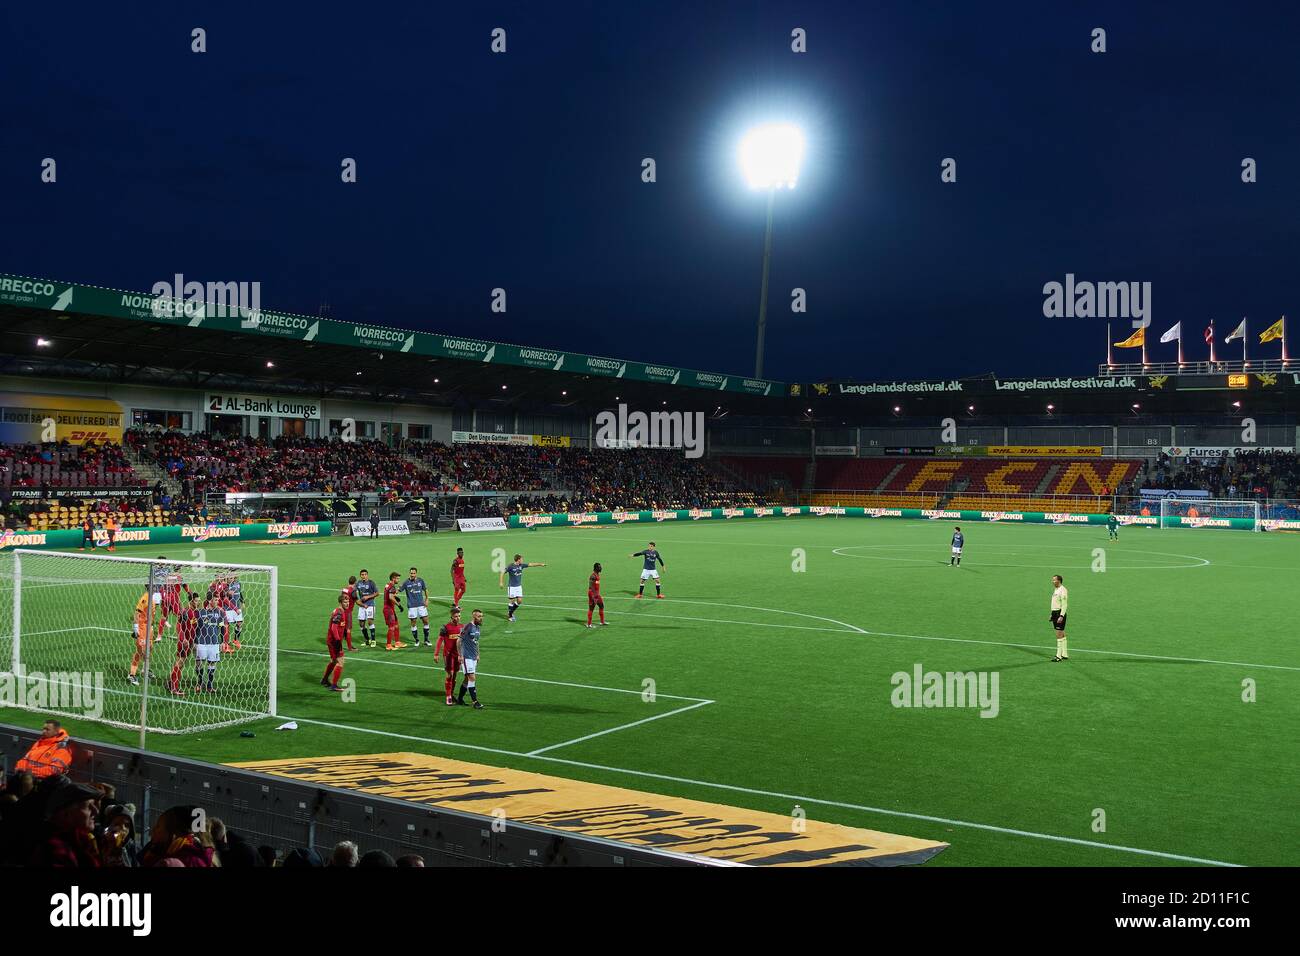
column 1209, row 513
column 153, row 644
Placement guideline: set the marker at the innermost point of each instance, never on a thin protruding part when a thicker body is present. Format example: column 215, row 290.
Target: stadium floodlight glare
column 770, row 156
column 769, row 160
column 43, row 343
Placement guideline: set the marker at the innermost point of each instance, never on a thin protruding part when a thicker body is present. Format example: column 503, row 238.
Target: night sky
column 523, row 170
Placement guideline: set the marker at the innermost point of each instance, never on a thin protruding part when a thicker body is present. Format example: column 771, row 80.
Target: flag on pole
column 1238, row 333
column 1274, row 331
column 1175, row 333
column 1135, row 341
column 1209, row 338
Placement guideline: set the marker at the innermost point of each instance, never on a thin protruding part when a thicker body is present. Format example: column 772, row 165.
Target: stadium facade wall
column 437, row 420
column 168, row 534
column 573, row 520
column 287, row 814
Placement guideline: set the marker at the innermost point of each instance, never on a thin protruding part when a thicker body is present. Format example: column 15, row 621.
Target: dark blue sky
column 522, row 170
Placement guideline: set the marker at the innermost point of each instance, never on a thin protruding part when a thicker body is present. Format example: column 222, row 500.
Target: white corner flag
column 1175, row 333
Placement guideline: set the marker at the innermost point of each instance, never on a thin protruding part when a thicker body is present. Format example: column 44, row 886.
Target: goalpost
column 1210, row 511
column 73, row 627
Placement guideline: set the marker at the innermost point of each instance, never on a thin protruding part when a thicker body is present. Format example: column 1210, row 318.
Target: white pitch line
column 796, row 798
column 531, row 680
column 612, row 730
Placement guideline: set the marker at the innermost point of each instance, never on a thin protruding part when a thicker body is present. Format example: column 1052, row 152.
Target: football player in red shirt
column 187, row 625
column 458, row 577
column 449, row 641
column 334, row 643
column 392, row 605
column 594, row 600
column 348, row 600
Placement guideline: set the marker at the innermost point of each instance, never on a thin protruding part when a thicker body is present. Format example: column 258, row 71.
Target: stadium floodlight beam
column 769, row 159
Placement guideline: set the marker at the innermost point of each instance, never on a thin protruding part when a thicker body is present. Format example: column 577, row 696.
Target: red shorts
column 593, row 598
column 451, row 662
column 184, row 649
column 390, row 617
column 458, row 585
column 171, row 603
column 335, row 647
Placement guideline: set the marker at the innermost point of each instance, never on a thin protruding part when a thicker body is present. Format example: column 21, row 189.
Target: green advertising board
column 782, row 511
column 169, row 534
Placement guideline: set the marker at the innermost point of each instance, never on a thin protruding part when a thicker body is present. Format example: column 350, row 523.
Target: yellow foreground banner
column 627, row 816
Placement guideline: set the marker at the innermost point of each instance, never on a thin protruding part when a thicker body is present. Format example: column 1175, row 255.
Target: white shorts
column 207, row 652
column 469, row 665
column 414, row 612
column 514, row 592
column 365, row 614
column 648, row 573
column 956, row 551
column 233, row 615
column 157, row 597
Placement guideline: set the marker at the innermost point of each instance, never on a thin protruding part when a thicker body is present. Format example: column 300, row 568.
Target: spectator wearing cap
column 50, row 755
column 69, row 841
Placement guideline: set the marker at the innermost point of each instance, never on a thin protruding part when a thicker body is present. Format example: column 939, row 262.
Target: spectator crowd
column 48, row 820
column 1245, row 474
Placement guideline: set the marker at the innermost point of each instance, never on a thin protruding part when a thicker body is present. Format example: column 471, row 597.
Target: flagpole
column 1110, row 355
column 1144, row 348
column 1212, row 358
column 1245, row 343
column 1284, row 355
column 1180, row 344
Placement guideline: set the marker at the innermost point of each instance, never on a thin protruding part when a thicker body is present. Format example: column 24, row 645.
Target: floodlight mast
column 769, row 158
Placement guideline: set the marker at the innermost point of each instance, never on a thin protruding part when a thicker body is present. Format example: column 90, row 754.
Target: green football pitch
column 1170, row 736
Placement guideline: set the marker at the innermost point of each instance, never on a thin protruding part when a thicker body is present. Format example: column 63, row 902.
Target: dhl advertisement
column 32, row 419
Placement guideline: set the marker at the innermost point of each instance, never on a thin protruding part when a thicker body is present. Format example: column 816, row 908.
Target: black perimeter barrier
column 288, row 814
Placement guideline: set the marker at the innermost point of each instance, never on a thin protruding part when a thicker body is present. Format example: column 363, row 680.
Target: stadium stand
column 64, row 464
column 204, row 462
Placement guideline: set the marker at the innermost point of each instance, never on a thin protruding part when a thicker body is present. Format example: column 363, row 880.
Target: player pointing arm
column 653, row 561
column 515, row 593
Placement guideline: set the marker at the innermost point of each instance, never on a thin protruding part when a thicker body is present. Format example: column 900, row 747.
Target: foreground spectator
column 69, row 837
column 50, row 755
column 173, row 838
column 117, row 844
column 345, row 854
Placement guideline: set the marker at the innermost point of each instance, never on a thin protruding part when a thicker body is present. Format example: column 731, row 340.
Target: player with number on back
column 187, row 630
column 348, row 595
column 392, row 607
column 334, row 638
column 650, row 570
